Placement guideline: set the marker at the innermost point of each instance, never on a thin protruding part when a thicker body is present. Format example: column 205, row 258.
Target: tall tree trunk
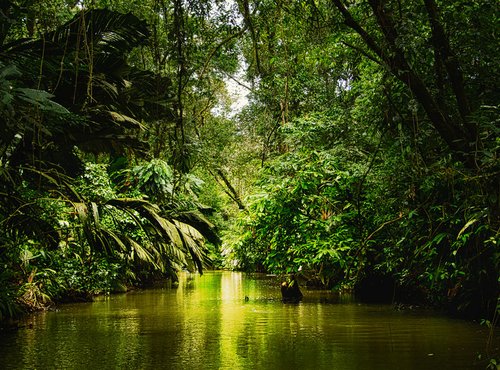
column 450, row 61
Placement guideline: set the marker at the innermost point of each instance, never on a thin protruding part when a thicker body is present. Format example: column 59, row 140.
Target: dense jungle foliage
column 361, row 150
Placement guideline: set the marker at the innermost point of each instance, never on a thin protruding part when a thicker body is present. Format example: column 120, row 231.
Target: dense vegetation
column 366, row 156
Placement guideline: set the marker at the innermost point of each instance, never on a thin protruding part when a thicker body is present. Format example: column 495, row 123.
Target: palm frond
column 104, row 93
column 179, row 239
column 200, row 223
column 111, row 31
column 193, row 242
column 143, row 254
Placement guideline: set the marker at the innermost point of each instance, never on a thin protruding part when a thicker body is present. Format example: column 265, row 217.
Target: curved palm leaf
column 23, row 211
column 114, row 33
column 178, row 239
column 201, row 224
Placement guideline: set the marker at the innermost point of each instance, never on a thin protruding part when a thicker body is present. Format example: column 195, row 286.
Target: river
column 208, row 323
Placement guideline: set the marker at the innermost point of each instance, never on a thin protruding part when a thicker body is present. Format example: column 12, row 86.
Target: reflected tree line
column 205, row 322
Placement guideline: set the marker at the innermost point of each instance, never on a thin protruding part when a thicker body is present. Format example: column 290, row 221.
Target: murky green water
column 206, row 324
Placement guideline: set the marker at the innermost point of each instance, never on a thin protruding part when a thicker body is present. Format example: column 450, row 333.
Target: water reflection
column 206, row 323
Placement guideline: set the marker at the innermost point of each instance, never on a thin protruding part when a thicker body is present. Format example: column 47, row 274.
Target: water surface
column 206, row 323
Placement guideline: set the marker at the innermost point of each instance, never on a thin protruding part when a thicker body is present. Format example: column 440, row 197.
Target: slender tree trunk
column 245, row 12
column 181, row 69
column 229, row 189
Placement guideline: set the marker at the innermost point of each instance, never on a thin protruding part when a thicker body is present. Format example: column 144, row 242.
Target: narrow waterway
column 207, row 323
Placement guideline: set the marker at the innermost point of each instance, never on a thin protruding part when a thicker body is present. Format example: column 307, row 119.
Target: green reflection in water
column 206, row 323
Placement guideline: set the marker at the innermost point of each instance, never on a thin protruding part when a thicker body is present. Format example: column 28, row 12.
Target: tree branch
column 230, row 191
column 351, row 22
column 238, row 82
column 214, row 50
column 363, row 52
column 384, row 225
column 399, row 66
